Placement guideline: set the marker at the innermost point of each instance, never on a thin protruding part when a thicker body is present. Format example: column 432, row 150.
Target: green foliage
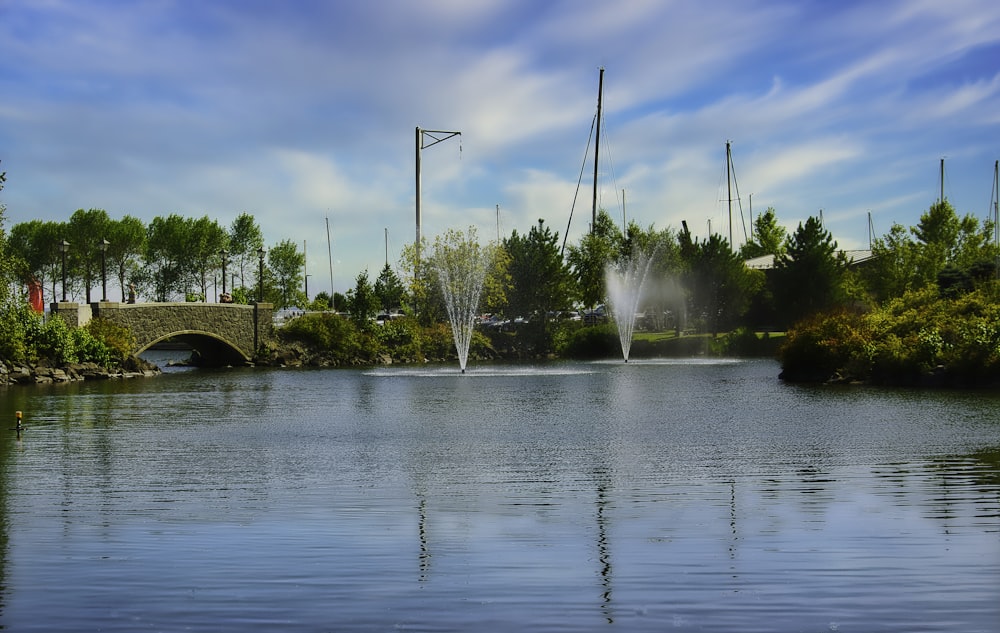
column 245, row 239
column 942, row 248
column 16, row 320
column 919, row 337
column 822, row 346
column 721, row 286
column 52, row 340
column 542, row 281
column 287, row 265
column 89, row 349
column 808, row 277
column 599, row 341
column 389, row 290
column 596, row 250
column 328, row 333
column 769, row 237
column 118, row 339
column 362, row 302
column 84, row 232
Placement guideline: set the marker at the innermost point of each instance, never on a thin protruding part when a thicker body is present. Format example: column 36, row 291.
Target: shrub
column 326, row 333
column 118, row 339
column 598, row 341
column 52, row 340
column 16, row 319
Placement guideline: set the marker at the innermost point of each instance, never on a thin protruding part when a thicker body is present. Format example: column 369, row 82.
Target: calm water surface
column 652, row 496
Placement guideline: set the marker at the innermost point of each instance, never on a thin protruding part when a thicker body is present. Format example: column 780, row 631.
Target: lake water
column 649, row 496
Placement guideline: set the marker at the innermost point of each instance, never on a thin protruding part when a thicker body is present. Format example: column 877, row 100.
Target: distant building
column 766, row 262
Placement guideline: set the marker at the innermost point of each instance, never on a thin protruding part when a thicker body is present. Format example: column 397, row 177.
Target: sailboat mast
column 729, row 190
column 996, row 212
column 329, row 254
column 597, row 147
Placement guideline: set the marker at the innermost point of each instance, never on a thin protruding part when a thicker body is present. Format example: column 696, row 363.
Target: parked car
column 595, row 316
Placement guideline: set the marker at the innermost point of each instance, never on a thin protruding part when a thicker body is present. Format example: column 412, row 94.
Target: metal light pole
column 103, row 245
column 260, row 275
column 436, row 136
column 224, row 254
column 63, row 247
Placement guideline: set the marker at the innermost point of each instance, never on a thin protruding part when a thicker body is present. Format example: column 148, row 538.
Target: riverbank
column 28, row 374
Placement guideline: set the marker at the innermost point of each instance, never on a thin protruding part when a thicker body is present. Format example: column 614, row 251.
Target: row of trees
column 692, row 284
column 170, row 258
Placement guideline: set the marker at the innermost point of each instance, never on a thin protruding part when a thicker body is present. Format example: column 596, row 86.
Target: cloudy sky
column 298, row 111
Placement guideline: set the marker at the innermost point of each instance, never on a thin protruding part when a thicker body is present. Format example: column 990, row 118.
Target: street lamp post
column 225, row 254
column 63, row 247
column 260, row 275
column 103, row 245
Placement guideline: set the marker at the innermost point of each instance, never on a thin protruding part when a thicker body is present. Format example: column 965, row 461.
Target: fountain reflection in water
column 625, row 281
column 461, row 265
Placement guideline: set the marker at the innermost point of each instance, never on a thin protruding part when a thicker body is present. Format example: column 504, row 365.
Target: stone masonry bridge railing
column 221, row 333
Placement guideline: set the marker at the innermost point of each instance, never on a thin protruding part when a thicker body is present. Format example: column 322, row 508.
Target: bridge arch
column 211, row 349
column 221, row 333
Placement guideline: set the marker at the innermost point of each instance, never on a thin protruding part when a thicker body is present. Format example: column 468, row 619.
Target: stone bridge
column 221, row 333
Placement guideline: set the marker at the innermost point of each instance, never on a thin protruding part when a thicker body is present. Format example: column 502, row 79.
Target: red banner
column 36, row 296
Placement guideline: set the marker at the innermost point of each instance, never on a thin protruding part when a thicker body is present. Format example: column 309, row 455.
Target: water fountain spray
column 461, row 265
column 625, row 280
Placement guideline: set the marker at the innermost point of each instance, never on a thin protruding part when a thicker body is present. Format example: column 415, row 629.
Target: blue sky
column 298, row 111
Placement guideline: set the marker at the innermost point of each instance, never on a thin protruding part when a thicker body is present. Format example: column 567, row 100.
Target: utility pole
column 941, row 199
column 435, row 136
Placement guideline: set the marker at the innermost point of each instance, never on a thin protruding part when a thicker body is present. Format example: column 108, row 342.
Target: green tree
column 245, row 240
column 892, row 269
column 206, row 239
column 389, row 289
column 498, row 281
column 166, row 254
column 426, row 300
column 941, row 249
column 768, row 237
column 589, row 259
column 541, row 280
column 127, row 238
column 721, row 286
column 321, row 301
column 37, row 244
column 663, row 298
column 87, row 229
column 808, row 277
column 362, row 302
column 286, row 263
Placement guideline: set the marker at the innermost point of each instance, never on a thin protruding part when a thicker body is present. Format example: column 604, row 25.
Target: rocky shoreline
column 27, row 374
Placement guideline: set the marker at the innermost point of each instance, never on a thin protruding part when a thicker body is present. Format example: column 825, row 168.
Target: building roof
column 766, row 262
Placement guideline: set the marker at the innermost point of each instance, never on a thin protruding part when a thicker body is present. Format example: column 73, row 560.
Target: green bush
column 16, row 319
column 922, row 336
column 89, row 349
column 326, row 333
column 52, row 340
column 118, row 339
column 598, row 341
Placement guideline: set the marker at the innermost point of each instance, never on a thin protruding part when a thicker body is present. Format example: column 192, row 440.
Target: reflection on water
column 682, row 495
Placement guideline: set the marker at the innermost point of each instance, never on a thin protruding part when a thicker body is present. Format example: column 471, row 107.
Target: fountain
column 625, row 282
column 461, row 265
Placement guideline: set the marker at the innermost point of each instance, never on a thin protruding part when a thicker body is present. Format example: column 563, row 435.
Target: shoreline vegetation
column 922, row 339
column 919, row 308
